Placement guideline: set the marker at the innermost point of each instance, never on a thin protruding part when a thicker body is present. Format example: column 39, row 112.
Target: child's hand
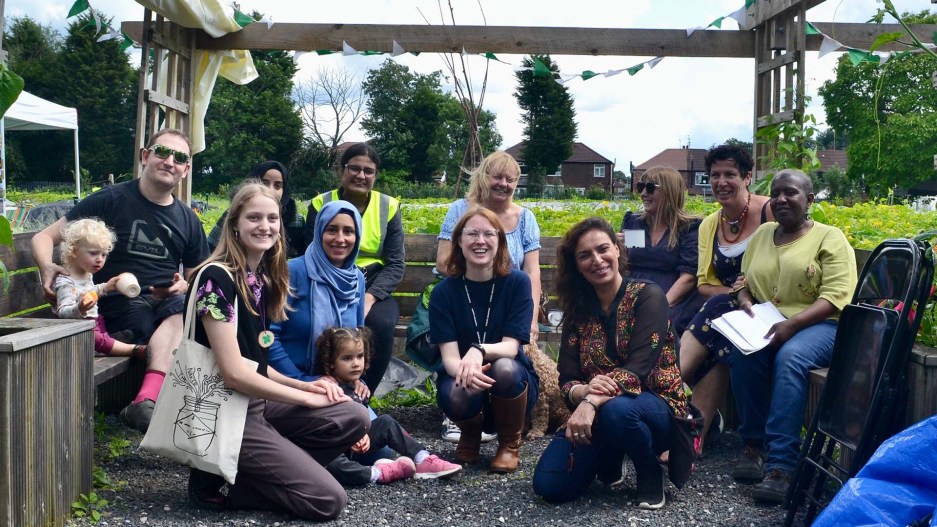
column 111, row 284
column 88, row 301
column 362, row 446
column 362, row 390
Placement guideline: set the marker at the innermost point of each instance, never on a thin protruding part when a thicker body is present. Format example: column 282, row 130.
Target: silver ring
column 576, row 434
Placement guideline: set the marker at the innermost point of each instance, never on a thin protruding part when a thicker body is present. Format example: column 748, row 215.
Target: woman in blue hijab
column 328, row 290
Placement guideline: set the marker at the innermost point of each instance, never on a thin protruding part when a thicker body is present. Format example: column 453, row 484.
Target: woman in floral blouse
column 618, row 371
column 293, row 428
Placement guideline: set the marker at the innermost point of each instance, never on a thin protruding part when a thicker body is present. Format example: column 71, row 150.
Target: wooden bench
column 24, row 299
column 421, row 259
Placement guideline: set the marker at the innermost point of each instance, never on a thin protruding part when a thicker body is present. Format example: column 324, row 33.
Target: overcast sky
column 695, row 101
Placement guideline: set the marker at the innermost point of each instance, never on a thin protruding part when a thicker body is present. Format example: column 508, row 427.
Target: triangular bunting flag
column 369, row 53
column 348, row 50
column 241, row 19
column 522, row 68
column 491, row 56
column 110, row 34
column 883, row 56
column 563, row 78
column 749, row 3
column 741, row 17
column 397, row 50
column 717, row 22
column 540, row 70
column 857, row 56
column 297, row 55
column 691, row 30
column 80, row 6
column 612, row 73
column 654, row 62
column 588, row 74
column 634, row 69
column 267, row 20
column 126, row 43
column 97, row 22
column 324, row 52
column 828, row 46
column 812, row 29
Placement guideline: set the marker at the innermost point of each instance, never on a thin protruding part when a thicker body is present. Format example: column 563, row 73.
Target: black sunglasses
column 641, row 185
column 163, row 152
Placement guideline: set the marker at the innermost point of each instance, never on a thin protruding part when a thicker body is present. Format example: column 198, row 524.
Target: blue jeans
column 636, row 426
column 771, row 391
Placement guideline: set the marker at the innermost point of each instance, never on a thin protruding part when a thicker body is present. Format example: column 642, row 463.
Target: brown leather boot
column 509, row 422
column 470, row 442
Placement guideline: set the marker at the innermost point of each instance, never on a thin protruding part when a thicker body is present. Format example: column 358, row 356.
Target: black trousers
column 382, row 321
column 352, row 469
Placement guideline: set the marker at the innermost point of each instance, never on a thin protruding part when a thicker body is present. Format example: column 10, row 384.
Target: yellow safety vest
column 381, row 208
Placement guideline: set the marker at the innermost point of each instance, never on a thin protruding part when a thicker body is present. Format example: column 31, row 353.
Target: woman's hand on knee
column 604, row 385
column 579, row 425
column 327, row 388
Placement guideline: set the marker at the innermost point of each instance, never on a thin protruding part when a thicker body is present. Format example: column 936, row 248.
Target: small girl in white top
column 84, row 249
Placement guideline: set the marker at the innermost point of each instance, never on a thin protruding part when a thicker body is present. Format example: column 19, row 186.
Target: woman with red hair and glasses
column 480, row 317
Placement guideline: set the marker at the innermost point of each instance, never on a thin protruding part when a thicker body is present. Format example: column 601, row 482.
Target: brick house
column 583, row 169
column 687, row 161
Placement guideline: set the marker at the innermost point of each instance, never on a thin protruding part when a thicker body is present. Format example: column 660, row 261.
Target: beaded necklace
column 735, row 227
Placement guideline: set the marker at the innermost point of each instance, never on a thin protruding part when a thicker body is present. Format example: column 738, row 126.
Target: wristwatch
column 479, row 347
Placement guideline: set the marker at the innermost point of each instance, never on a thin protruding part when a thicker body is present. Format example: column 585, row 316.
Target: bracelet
column 590, row 403
column 572, row 392
column 479, row 347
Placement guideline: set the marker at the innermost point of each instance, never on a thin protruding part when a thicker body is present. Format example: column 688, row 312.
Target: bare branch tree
column 462, row 80
column 330, row 103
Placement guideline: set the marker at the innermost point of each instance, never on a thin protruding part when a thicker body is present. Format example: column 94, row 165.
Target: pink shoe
column 433, row 467
column 392, row 470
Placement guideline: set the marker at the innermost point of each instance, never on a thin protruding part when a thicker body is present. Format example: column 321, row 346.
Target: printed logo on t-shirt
column 144, row 242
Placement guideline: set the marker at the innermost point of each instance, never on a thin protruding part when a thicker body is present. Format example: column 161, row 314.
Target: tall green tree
column 248, row 124
column 549, row 121
column 98, row 80
column 888, row 114
column 417, row 127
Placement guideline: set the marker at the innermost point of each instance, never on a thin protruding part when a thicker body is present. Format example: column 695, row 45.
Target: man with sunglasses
column 157, row 235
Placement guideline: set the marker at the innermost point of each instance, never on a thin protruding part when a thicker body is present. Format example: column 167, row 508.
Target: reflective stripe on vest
column 380, row 209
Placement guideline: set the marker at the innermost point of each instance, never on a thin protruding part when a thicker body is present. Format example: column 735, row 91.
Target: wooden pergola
column 777, row 41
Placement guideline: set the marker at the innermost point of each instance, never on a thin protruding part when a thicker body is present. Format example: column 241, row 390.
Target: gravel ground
column 155, row 494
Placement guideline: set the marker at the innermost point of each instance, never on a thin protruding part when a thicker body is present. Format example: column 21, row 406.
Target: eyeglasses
column 641, row 185
column 162, row 152
column 355, row 170
column 475, row 235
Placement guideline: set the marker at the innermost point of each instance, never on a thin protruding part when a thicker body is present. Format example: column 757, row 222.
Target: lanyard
column 481, row 336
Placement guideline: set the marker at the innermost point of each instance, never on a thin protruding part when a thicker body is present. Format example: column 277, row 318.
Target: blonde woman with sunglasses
column 662, row 242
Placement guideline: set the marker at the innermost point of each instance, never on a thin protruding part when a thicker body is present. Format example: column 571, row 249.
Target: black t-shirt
column 139, row 250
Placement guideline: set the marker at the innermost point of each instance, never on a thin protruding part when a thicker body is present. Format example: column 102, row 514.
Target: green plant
column 402, row 397
column 118, row 446
column 596, row 192
column 788, row 148
column 89, row 506
column 102, row 481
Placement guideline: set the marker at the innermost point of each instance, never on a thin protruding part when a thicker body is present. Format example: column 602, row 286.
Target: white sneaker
column 452, row 433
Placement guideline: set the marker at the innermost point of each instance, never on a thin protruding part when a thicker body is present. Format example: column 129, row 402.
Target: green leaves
column 11, row 85
column 885, row 38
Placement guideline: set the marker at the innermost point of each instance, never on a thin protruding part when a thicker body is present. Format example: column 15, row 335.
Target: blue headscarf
column 336, row 294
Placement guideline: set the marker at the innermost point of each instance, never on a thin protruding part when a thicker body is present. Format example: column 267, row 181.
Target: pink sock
column 152, row 382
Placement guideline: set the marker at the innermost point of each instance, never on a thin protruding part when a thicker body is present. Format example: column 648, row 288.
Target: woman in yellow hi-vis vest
column 381, row 256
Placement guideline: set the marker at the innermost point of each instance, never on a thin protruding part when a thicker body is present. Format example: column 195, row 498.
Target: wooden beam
column 480, row 39
column 526, row 40
column 764, row 10
column 861, row 36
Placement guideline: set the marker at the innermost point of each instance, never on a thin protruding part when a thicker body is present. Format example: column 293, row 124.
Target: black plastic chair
column 863, row 400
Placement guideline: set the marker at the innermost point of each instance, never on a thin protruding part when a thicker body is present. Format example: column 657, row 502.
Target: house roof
column 679, row 159
column 581, row 154
column 832, row 158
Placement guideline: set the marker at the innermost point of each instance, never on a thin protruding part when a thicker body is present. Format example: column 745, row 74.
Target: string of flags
column 740, row 16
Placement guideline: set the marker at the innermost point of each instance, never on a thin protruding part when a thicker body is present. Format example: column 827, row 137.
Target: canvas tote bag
column 198, row 420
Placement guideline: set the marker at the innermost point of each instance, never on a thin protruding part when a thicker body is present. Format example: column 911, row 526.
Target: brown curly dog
column 551, row 411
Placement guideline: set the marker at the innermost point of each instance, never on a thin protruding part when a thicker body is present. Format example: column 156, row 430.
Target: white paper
column 634, row 238
column 748, row 333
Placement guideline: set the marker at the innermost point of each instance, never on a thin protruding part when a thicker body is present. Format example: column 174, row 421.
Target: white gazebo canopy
column 33, row 113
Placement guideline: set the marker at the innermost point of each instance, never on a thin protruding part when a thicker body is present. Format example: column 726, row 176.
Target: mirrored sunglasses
column 163, row 152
